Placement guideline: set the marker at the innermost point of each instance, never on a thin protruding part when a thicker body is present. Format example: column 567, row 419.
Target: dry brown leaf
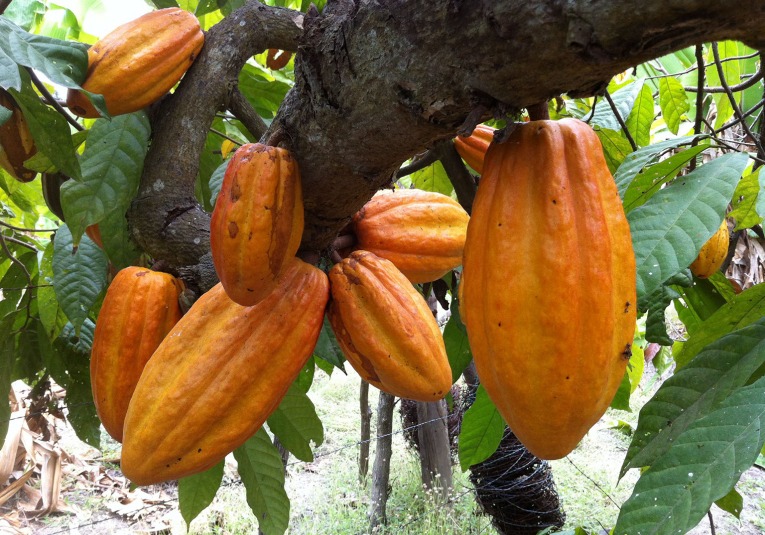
column 8, row 492
column 9, row 453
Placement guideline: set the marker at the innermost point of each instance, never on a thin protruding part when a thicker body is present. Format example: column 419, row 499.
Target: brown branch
column 462, row 180
column 428, row 158
column 21, row 229
column 243, row 110
column 52, row 101
column 699, row 101
column 12, row 258
column 4, row 5
column 225, row 136
column 734, row 88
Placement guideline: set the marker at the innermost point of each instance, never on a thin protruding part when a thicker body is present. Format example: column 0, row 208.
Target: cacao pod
column 51, row 189
column 276, row 59
column 386, row 329
column 421, row 232
column 712, row 253
column 219, row 374
column 139, row 309
column 473, row 147
column 16, row 142
column 139, row 62
column 548, row 291
column 257, row 222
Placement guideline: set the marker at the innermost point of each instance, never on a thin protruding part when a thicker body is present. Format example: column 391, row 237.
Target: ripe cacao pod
column 139, row 309
column 548, row 291
column 473, row 147
column 276, row 59
column 386, row 329
column 219, row 374
column 16, row 142
column 257, row 222
column 421, row 232
column 140, row 61
column 712, row 253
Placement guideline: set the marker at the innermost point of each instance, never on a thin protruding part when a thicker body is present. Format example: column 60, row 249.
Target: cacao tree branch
column 243, row 110
column 462, row 180
column 419, row 163
column 378, row 82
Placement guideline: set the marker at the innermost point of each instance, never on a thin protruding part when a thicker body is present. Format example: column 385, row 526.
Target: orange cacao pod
column 140, row 308
column 219, row 374
column 473, row 147
column 16, row 142
column 140, row 61
column 276, row 59
column 257, row 222
column 386, row 329
column 712, row 253
column 421, row 232
column 548, row 291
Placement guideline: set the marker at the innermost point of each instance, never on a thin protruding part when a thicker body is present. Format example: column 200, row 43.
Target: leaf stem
column 52, row 101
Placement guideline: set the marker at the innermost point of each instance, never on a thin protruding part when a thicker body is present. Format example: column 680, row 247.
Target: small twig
column 3, row 223
column 19, row 242
column 711, row 522
column 736, row 120
column 735, row 88
column 52, row 101
column 225, row 136
column 699, row 102
column 621, row 121
column 762, row 115
column 691, row 69
column 428, row 158
column 592, row 110
column 243, row 110
column 25, row 288
column 13, row 259
column 462, row 180
column 733, row 103
column 4, row 5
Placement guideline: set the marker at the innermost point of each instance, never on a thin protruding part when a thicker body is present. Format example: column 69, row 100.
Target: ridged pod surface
column 421, row 232
column 473, row 147
column 257, row 222
column 548, row 292
column 140, row 308
column 219, row 374
column 16, row 142
column 712, row 253
column 386, row 329
column 139, row 62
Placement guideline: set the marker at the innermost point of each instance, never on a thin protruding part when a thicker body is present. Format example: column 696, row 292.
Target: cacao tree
column 371, row 98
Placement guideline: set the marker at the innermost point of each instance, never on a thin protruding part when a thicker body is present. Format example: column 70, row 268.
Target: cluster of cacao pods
column 139, row 62
column 550, row 340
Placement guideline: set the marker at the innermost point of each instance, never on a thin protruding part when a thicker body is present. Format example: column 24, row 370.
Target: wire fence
column 454, row 498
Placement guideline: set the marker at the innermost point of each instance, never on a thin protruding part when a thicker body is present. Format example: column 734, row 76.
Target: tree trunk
column 366, row 420
column 381, row 470
column 433, row 438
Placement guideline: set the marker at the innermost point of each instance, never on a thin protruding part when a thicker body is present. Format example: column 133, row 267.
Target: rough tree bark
column 381, row 469
column 379, row 81
column 435, row 457
column 366, row 421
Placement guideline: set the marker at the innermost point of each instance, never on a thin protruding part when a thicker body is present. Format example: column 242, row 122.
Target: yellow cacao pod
column 473, row 147
column 257, row 222
column 16, row 142
column 548, row 291
column 421, row 232
column 219, row 374
column 139, row 62
column 712, row 253
column 386, row 329
column 139, row 309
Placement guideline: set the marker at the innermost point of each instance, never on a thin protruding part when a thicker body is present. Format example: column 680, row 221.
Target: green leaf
column 52, row 315
column 621, row 399
column 669, row 229
column 111, row 171
column 744, row 309
column 63, row 62
column 624, row 99
column 327, row 347
column 216, row 181
column 702, row 465
column 433, row 178
column 305, row 377
column 732, row 73
column 7, row 357
column 732, row 503
column 50, row 131
column 673, row 101
column 695, row 391
column 748, row 204
column 196, row 493
column 262, row 89
column 23, row 12
column 262, row 472
column 642, row 157
column 456, row 342
column 704, row 298
column 657, row 303
column 78, row 278
column 481, row 432
column 72, row 371
column 115, row 235
column 615, row 146
column 641, row 117
column 296, row 424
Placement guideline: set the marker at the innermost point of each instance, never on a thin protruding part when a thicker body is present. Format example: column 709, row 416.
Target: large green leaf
column 79, row 277
column 50, row 131
column 52, row 316
column 615, row 146
column 111, row 171
column 327, row 347
column 656, row 303
column 433, row 178
column 641, row 117
column 456, row 342
column 216, row 181
column 296, row 424
column 481, row 431
column 670, row 228
column 63, row 62
column 701, row 466
column 673, row 101
column 262, row 90
column 7, row 357
column 694, row 392
column 262, row 472
column 744, row 309
column 115, row 235
column 748, row 203
column 196, row 493
column 624, row 100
